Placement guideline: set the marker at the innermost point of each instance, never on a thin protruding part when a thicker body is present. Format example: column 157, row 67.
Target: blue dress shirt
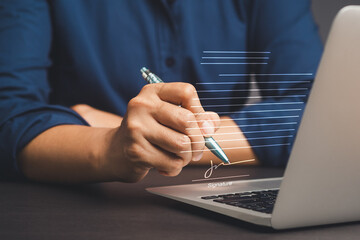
column 55, row 54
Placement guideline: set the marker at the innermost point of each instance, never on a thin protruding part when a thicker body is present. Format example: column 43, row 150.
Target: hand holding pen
column 210, row 143
column 156, row 133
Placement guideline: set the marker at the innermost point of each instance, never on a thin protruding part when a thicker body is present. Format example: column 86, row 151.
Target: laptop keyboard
column 260, row 201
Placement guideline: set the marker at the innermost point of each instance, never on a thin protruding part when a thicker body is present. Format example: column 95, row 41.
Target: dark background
column 325, row 11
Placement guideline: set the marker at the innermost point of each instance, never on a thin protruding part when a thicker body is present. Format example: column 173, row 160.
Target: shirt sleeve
column 287, row 30
column 25, row 112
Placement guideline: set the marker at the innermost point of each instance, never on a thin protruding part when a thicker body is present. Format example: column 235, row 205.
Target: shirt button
column 170, row 61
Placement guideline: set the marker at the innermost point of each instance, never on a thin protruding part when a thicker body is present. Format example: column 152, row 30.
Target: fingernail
column 207, row 128
column 199, row 156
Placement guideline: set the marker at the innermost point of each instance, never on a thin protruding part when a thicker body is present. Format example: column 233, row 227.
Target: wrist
column 103, row 155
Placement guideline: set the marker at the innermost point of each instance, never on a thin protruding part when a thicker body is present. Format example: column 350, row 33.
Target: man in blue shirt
column 69, row 73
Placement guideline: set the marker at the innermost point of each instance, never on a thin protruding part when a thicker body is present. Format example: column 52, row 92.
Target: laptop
column 319, row 185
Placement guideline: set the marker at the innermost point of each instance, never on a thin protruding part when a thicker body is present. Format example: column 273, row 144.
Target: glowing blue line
column 232, row 133
column 256, row 118
column 220, row 83
column 258, row 125
column 233, row 52
column 242, row 139
column 266, row 124
column 251, row 90
column 255, row 111
column 256, row 146
column 247, row 104
column 224, row 98
column 231, row 63
column 266, row 137
column 266, row 131
column 235, row 57
column 295, row 116
column 280, row 110
column 263, row 74
column 270, row 145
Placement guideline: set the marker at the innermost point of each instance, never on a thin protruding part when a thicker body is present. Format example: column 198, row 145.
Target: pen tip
column 224, row 158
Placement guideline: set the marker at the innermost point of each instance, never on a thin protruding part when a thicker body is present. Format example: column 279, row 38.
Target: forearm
column 66, row 153
column 72, row 153
column 230, row 137
column 96, row 117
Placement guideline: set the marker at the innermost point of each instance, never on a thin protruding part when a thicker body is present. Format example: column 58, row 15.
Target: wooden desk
column 126, row 211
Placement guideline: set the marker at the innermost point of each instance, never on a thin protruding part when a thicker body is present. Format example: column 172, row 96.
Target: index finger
column 183, row 94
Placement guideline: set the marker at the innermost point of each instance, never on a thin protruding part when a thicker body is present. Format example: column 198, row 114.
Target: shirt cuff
column 20, row 130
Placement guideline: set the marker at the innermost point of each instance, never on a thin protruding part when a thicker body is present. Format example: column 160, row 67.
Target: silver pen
column 210, row 143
